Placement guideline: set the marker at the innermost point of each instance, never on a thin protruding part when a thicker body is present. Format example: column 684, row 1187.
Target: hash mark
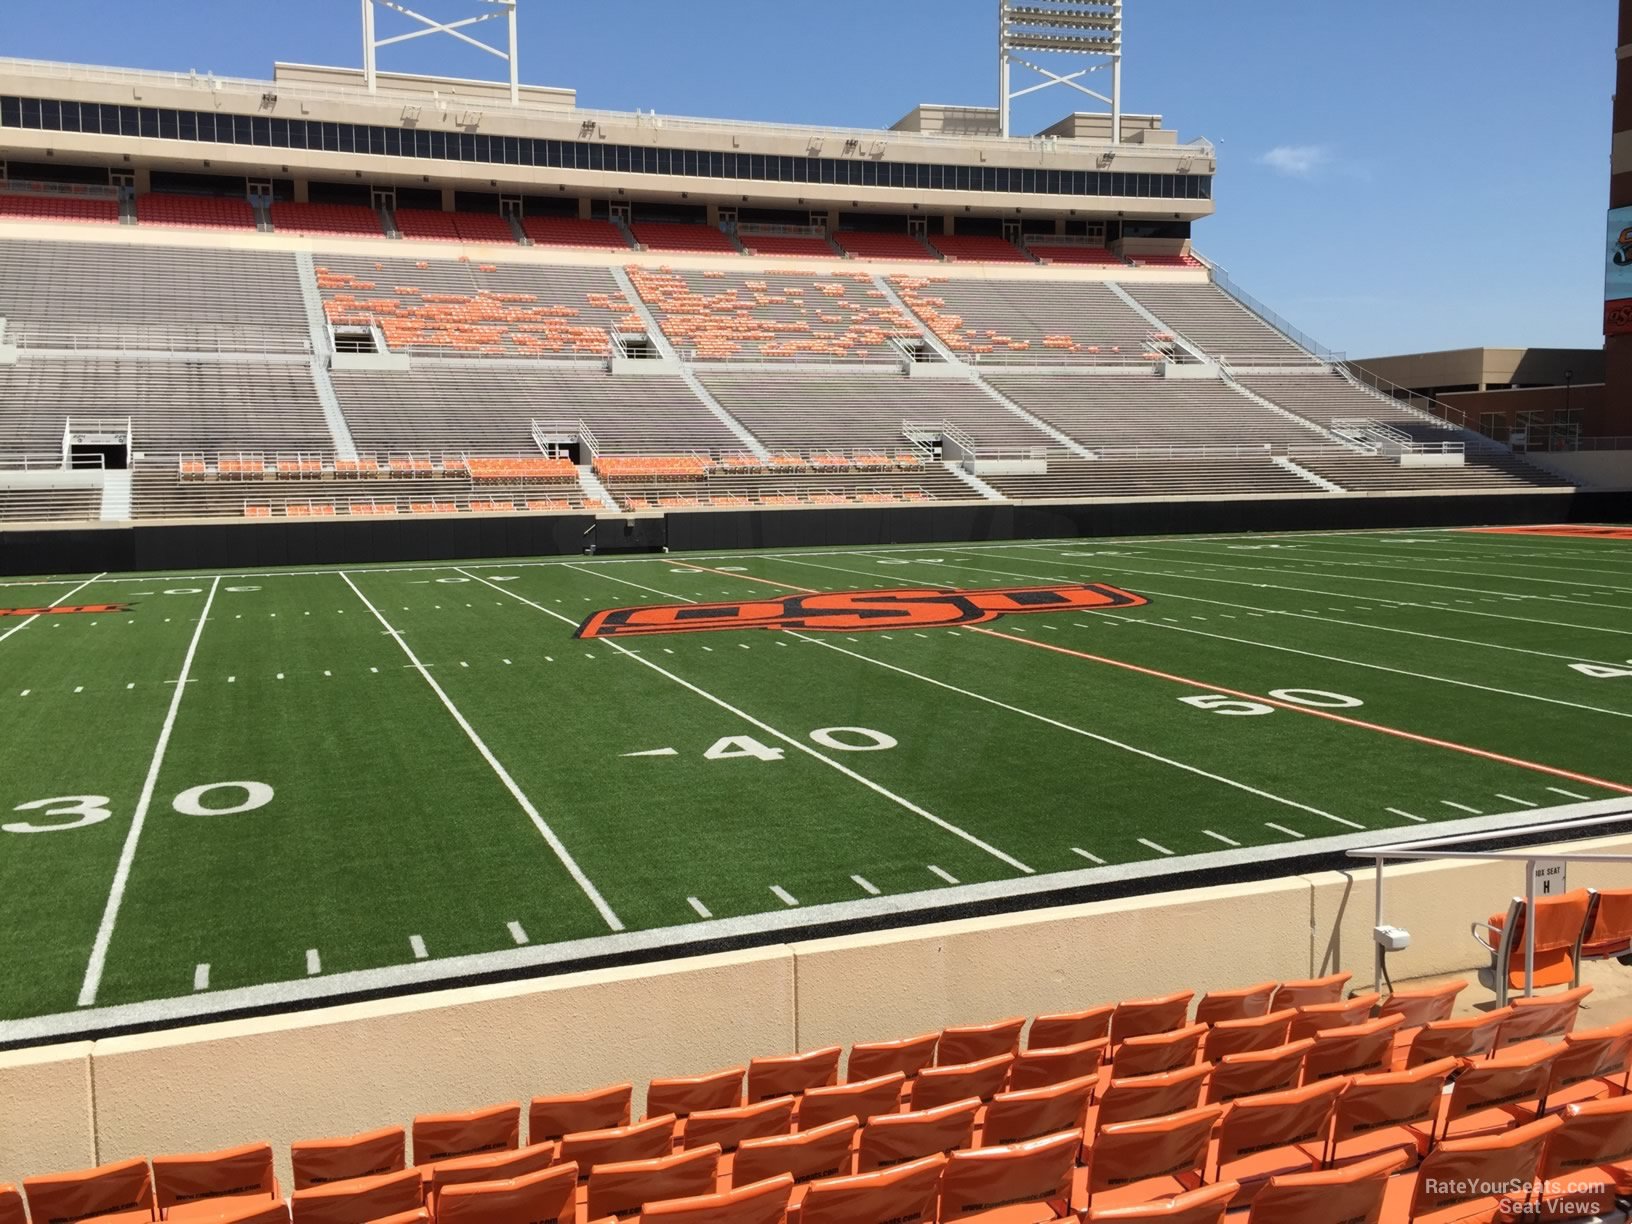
column 702, row 910
column 1284, row 829
column 314, row 963
column 516, row 933
column 417, row 943
column 1228, row 841
column 1517, row 800
column 945, row 875
column 1462, row 807
column 866, row 886
column 1145, row 841
column 783, row 895
column 1407, row 815
column 1558, row 790
column 201, row 977
column 1092, row 858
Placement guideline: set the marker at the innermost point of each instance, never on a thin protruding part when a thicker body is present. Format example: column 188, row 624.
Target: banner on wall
column 1618, row 274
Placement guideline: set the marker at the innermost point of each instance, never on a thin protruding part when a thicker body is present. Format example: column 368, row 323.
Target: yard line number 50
column 87, row 810
column 1319, row 699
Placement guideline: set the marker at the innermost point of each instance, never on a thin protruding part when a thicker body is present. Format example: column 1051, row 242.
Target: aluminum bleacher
column 22, row 207
column 1325, row 395
column 194, row 212
column 1077, row 321
column 1155, row 475
column 21, row 505
column 1144, row 409
column 1482, row 472
column 461, row 307
column 136, row 296
column 772, row 315
column 1212, row 319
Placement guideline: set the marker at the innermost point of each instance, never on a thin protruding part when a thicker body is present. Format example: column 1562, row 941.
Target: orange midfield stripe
column 1284, row 705
column 1565, row 530
column 1327, row 714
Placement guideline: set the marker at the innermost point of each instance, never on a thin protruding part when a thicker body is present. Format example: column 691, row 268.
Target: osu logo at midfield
column 855, row 611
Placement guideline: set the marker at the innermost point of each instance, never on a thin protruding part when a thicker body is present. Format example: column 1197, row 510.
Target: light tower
column 1054, row 28
column 454, row 29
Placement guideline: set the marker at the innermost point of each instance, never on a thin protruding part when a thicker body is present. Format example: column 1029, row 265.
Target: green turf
column 390, row 832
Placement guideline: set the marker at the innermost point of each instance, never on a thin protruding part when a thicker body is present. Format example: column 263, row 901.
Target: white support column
column 369, row 78
column 453, row 29
column 1086, row 28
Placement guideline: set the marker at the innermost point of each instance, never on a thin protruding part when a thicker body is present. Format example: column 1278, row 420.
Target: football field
column 233, row 790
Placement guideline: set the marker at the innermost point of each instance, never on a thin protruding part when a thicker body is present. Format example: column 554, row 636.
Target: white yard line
column 866, row 886
column 942, row 874
column 1517, row 800
column 702, row 910
column 516, row 932
column 1160, row 849
column 1292, row 833
column 416, row 944
column 127, row 854
column 314, row 963
column 1407, row 815
column 875, row 787
column 1228, row 841
column 56, row 603
column 516, row 793
column 784, row 896
column 201, row 977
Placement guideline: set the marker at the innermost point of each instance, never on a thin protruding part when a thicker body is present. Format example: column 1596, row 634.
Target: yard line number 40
column 87, row 810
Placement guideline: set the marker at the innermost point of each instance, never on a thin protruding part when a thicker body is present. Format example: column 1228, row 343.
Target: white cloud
column 1297, row 161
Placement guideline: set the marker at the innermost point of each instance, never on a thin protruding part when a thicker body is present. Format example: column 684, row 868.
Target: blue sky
column 1392, row 178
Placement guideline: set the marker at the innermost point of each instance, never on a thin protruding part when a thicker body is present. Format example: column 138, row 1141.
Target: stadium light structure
column 1054, row 28
column 454, row 29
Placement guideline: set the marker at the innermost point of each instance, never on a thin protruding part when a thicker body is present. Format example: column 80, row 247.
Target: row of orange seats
column 377, row 508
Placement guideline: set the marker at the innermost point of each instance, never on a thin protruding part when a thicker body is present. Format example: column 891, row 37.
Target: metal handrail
column 1367, row 380
column 35, row 336
column 212, row 83
column 1431, row 849
column 1221, row 278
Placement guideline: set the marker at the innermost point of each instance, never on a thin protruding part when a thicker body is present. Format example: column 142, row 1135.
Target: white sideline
column 1459, row 558
column 56, row 603
column 907, row 804
column 526, row 804
column 127, row 853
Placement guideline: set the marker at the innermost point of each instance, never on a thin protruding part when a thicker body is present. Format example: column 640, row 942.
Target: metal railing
column 155, row 340
column 211, row 83
column 1427, row 404
column 46, row 462
column 1439, row 848
column 1222, row 279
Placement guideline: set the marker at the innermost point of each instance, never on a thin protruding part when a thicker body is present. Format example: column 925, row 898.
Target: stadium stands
column 788, row 244
column 1090, row 256
column 668, row 236
column 47, row 505
column 864, row 244
column 1185, row 260
column 978, row 249
column 323, row 220
column 935, row 1142
column 143, row 296
column 571, row 232
column 774, row 315
column 1209, row 317
column 426, row 223
column 57, row 208
column 460, row 307
column 194, row 212
column 1031, row 320
column 1154, row 476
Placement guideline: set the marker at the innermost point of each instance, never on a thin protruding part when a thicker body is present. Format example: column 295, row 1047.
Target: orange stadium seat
column 898, row 1138
column 793, row 1074
column 1257, row 1071
column 1542, row 1017
column 823, row 1151
column 1151, row 1096
column 253, row 1211
column 119, row 1193
column 11, row 1205
column 1137, row 1161
column 903, row 1192
column 1013, row 1117
column 862, row 1099
column 492, row 1166
column 1562, row 923
column 1357, row 1049
column 641, row 1141
column 1143, row 1017
column 763, row 1202
column 987, row 1183
column 726, row 1128
column 1353, row 1192
column 910, row 1055
column 1157, row 1052
column 1242, row 1036
column 619, row 1189
column 317, row 1162
column 1243, row 1004
column 437, row 1137
column 1424, row 1006
column 358, row 1200
column 941, row 1085
column 680, row 1095
column 192, row 1186
column 1463, row 1179
column 546, row 1197
column 1390, row 1111
column 1591, row 1064
column 1262, row 1136
column 1037, row 1067
column 1469, row 1037
column 1310, row 991
column 1206, row 1205
column 1491, row 1094
column 1317, row 1017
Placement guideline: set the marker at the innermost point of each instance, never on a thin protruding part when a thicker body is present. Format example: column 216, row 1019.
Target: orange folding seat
column 1592, row 1061
column 821, row 1152
column 193, row 1185
column 1462, row 1179
column 493, row 1166
column 1471, row 1037
column 792, row 1074
column 680, row 1095
column 1142, row 1017
column 1040, row 1066
column 114, row 1193
column 1151, row 1096
column 11, row 1205
column 862, row 1099
column 1424, row 1006
column 1207, row 1205
column 1243, row 1004
column 895, row 1139
column 1277, row 1132
column 1562, row 923
column 1310, row 991
column 904, row 1192
column 977, row 1042
column 996, row 1183
column 366, row 1154
column 359, row 1200
column 417, row 1216
column 643, row 1141
column 1243, row 1036
column 496, row 1128
column 618, row 1190
column 1352, row 1194
column 1317, row 1017
column 1013, row 1117
column 1610, row 934
column 1257, row 1071
column 1542, row 1017
column 1389, row 1111
column 1587, row 1162
column 940, row 1085
column 253, row 1211
column 1494, row 1093
column 1134, row 1162
column 763, row 1202
column 1359, row 1049
column 728, row 1127
column 549, row 1196
column 1159, row 1052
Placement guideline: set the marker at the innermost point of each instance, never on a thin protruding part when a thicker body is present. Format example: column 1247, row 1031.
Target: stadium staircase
column 986, row 492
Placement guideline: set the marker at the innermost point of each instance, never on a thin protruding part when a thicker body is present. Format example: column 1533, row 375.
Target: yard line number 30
column 82, row 811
